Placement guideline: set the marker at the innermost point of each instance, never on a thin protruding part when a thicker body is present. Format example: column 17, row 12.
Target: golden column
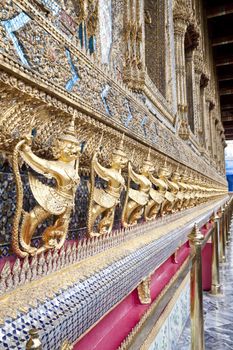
column 229, row 219
column 225, row 226
column 222, row 224
column 215, row 285
column 197, row 321
column 227, row 222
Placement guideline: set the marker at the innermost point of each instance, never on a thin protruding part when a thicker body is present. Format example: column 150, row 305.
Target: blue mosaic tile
column 13, row 25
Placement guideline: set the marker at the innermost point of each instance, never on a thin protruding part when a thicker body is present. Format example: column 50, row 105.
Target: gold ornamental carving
column 66, row 346
column 163, row 188
column 55, row 200
column 175, row 189
column 144, row 291
column 136, row 198
column 34, row 342
column 152, row 209
column 103, row 201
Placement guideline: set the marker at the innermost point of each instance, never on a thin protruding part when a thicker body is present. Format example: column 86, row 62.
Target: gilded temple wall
column 123, row 66
column 130, row 85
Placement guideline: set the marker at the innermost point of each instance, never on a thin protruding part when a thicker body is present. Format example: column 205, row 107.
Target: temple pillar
column 203, row 82
column 215, row 285
column 135, row 47
column 228, row 215
column 210, row 136
column 186, row 38
column 180, row 26
column 222, row 224
column 191, row 91
column 197, row 323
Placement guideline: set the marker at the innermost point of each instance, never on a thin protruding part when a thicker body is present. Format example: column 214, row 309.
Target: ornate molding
column 181, row 11
column 192, row 35
column 144, row 291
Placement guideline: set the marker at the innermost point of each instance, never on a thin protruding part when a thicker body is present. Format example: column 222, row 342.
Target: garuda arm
column 99, row 169
column 40, row 165
column 154, row 180
column 133, row 175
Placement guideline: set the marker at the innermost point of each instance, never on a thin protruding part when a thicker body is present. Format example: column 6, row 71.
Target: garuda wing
column 48, row 197
column 139, row 197
column 156, row 196
column 169, row 196
column 103, row 198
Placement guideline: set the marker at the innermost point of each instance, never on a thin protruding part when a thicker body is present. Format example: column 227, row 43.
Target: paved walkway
column 218, row 312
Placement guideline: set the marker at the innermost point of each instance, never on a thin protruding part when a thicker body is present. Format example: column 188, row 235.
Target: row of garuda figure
column 146, row 196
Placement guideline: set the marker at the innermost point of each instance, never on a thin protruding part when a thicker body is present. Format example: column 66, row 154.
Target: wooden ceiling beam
column 225, row 77
column 224, row 61
column 218, row 11
column 228, row 130
column 222, row 40
column 226, row 107
column 225, row 91
column 227, row 118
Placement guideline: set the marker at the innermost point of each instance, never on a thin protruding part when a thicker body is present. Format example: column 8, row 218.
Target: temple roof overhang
column 220, row 18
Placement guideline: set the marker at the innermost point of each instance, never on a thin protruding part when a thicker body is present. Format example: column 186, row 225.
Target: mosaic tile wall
column 171, row 330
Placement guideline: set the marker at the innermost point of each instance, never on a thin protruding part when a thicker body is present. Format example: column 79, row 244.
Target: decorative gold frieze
column 136, row 199
column 102, row 202
column 156, row 198
column 144, row 291
column 51, row 107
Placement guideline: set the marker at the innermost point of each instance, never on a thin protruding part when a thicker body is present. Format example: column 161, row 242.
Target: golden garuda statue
column 136, row 199
column 185, row 189
column 103, row 201
column 175, row 190
column 199, row 192
column 57, row 200
column 192, row 190
column 153, row 205
column 164, row 189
